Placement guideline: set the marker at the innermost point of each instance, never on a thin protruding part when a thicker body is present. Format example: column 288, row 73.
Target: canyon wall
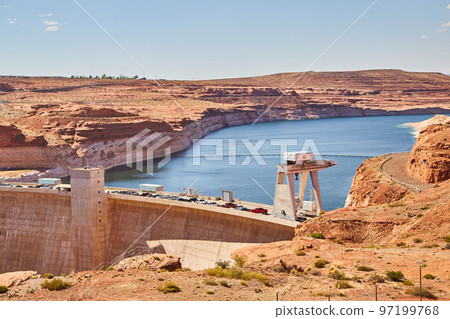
column 111, row 152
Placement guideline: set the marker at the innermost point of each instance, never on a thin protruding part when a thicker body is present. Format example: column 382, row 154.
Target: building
column 150, row 188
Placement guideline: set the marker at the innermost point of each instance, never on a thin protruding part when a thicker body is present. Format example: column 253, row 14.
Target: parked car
column 259, row 210
column 301, row 219
column 230, row 205
column 212, row 203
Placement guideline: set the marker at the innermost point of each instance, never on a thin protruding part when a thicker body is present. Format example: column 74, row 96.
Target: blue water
column 349, row 141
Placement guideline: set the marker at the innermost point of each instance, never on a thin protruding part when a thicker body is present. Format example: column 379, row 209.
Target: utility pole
column 420, row 274
column 376, row 292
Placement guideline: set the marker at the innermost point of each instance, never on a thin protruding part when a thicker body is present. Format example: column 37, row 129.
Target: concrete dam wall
column 59, row 232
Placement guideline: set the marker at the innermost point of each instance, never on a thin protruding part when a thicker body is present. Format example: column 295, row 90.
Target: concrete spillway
column 59, row 232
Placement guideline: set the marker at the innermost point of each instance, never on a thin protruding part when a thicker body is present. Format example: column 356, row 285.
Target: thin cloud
column 6, row 6
column 441, row 30
column 11, row 21
column 46, row 15
column 424, row 37
column 446, row 24
column 50, row 22
column 52, row 28
column 448, row 7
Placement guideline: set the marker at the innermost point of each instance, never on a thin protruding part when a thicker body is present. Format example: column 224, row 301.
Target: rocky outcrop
column 150, row 262
column 430, row 157
column 12, row 136
column 371, row 187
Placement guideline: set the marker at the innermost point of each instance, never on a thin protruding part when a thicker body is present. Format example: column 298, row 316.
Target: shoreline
column 182, row 140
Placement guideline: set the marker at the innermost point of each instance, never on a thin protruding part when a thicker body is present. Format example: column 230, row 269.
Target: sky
column 220, row 39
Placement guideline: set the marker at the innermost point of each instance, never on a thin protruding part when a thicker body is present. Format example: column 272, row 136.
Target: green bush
column 301, row 253
column 156, row 258
column 339, row 275
column 425, row 292
column 375, row 278
column 48, row 276
column 343, row 285
column 321, row 263
column 429, row 276
column 237, row 273
column 209, row 292
column 210, row 282
column 447, row 239
column 408, row 283
column 317, row 235
column 55, row 284
column 401, row 244
column 364, row 268
column 223, row 264
column 395, row 275
column 417, row 240
column 239, row 260
column 338, row 241
column 169, row 287
column 224, row 283
column 109, row 268
column 3, row 289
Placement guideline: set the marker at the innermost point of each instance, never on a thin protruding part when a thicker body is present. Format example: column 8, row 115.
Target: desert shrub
column 182, row 269
column 210, row 282
column 315, row 272
column 419, row 215
column 261, row 255
column 408, row 283
column 156, row 258
column 239, row 260
column 339, row 275
column 364, row 268
column 395, row 275
column 55, row 284
column 429, row 276
column 109, row 268
column 243, row 283
column 279, row 268
column 447, row 246
column 209, row 292
column 430, row 245
column 237, row 273
column 338, row 241
column 224, row 283
column 48, row 276
column 397, row 204
column 343, row 285
column 301, row 253
column 417, row 240
column 262, row 260
column 447, row 239
column 425, row 292
column 317, row 235
column 223, row 264
column 169, row 287
column 295, row 272
column 401, row 244
column 376, row 278
column 424, row 208
column 3, row 289
column 321, row 263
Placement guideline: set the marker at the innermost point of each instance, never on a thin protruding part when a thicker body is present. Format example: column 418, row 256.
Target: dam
column 82, row 227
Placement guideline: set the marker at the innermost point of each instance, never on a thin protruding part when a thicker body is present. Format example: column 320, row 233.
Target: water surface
column 349, row 141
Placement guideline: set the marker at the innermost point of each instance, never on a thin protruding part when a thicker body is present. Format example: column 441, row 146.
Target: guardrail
column 395, row 180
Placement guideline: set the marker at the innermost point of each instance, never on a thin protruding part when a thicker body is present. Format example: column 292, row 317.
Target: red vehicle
column 229, row 205
column 259, row 210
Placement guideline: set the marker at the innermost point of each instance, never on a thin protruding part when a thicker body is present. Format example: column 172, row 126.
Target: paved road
column 395, row 167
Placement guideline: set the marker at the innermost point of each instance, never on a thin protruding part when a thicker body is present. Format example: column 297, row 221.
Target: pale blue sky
column 217, row 39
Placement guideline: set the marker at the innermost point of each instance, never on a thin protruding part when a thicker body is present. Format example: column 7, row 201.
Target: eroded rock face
column 430, row 157
column 12, row 136
column 371, row 187
column 150, row 262
column 10, row 279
